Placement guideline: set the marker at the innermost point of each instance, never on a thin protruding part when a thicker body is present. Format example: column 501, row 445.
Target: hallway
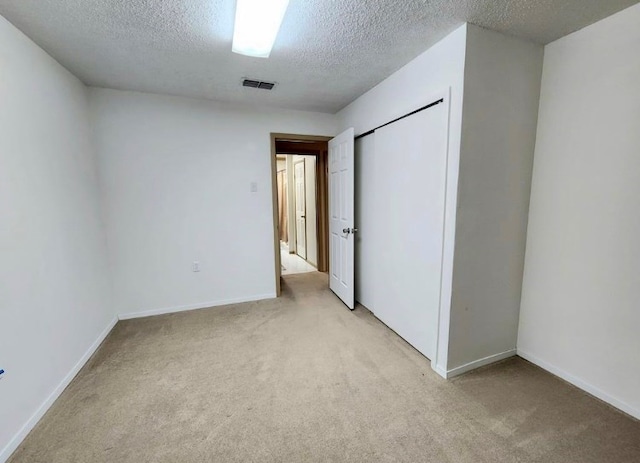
column 293, row 263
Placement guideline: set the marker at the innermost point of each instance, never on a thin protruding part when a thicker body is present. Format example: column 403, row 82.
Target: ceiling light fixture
column 257, row 25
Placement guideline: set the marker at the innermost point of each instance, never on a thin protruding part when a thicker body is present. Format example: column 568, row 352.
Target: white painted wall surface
column 55, row 294
column 176, row 177
column 412, row 86
column 579, row 315
column 435, row 73
column 501, row 94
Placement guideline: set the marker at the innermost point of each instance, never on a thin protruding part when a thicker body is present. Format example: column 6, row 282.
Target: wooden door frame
column 322, row 201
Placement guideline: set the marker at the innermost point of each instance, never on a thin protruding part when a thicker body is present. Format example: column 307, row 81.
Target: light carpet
column 303, row 379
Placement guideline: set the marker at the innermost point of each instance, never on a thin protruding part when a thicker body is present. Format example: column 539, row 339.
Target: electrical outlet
column 195, row 266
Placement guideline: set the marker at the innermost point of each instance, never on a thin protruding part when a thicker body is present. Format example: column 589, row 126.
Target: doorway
column 297, row 217
column 300, row 203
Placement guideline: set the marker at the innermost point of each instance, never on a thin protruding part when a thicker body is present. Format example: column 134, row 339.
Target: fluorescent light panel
column 257, row 25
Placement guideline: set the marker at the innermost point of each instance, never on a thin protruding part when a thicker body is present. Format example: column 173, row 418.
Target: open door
column 301, row 208
column 341, row 217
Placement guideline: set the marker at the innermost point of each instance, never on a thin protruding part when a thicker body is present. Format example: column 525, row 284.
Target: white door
column 301, row 209
column 341, row 217
column 409, row 224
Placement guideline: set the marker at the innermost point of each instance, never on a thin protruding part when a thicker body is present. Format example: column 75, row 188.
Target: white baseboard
column 39, row 413
column 438, row 369
column 589, row 388
column 479, row 363
column 200, row 305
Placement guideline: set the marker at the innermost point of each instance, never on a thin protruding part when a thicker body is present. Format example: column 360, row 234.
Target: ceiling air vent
column 258, row 84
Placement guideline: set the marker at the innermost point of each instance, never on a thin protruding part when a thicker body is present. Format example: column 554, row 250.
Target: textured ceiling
column 328, row 52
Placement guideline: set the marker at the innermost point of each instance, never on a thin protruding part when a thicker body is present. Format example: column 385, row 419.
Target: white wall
column 501, row 94
column 435, row 73
column 55, row 290
column 580, row 315
column 176, row 177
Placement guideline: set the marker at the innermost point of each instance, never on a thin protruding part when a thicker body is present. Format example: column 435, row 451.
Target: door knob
column 346, row 231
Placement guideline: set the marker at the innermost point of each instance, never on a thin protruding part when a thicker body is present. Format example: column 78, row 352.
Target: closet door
column 411, row 157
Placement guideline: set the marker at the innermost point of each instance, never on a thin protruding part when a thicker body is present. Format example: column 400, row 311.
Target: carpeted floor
column 303, row 379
